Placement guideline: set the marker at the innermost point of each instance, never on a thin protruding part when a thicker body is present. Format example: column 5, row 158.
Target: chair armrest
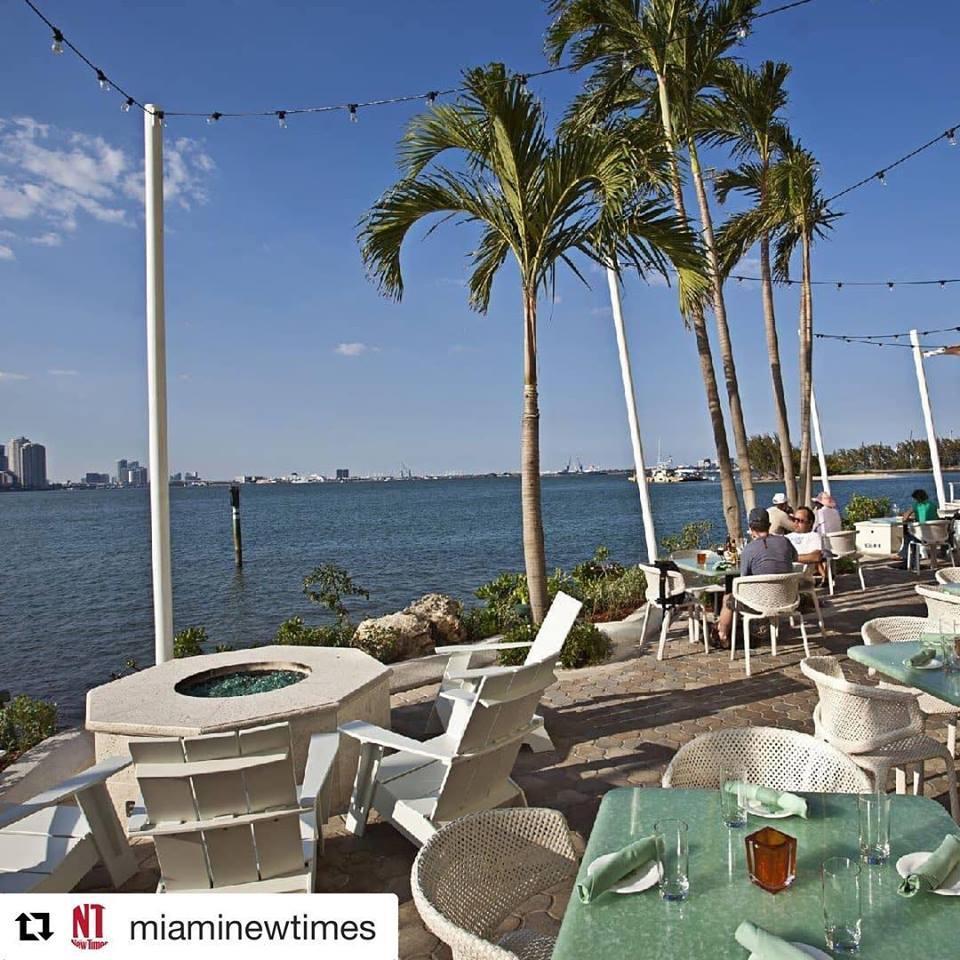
column 484, row 647
column 321, row 755
column 91, row 777
column 371, row 733
column 478, row 673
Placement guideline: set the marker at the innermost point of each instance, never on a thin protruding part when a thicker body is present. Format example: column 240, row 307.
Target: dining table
column 892, row 660
column 642, row 926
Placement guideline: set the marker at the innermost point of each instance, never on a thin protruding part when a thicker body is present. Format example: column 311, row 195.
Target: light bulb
column 432, row 98
column 943, row 283
column 523, row 78
column 839, row 286
column 282, row 119
column 126, row 105
column 214, row 117
column 743, row 30
column 103, row 81
column 889, row 285
column 57, row 45
column 352, row 109
column 952, row 137
column 882, row 177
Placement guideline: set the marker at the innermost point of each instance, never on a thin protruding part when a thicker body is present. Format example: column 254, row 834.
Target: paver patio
column 618, row 725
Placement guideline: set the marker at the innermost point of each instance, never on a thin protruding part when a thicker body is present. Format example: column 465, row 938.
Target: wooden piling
column 237, row 538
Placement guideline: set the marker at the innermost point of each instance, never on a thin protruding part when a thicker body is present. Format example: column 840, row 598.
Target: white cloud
column 51, row 177
column 6, row 375
column 6, row 253
column 352, row 349
column 57, row 372
column 600, row 312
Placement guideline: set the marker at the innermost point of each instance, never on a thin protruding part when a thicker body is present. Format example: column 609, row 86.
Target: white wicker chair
column 765, row 597
column 908, row 630
column 808, row 588
column 878, row 729
column 842, row 545
column 691, row 606
column 932, row 538
column 948, row 575
column 474, row 872
column 940, row 605
column 780, row 759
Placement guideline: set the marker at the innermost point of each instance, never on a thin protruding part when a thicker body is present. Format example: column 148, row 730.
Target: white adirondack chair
column 225, row 812
column 546, row 646
column 48, row 847
column 425, row 784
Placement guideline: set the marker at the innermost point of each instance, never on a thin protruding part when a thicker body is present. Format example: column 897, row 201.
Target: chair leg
column 830, row 576
column 733, row 635
column 107, row 832
column 918, row 779
column 691, row 628
column 746, row 643
column 901, row 780
column 863, row 586
column 803, row 633
column 816, row 607
column 643, row 629
column 706, row 630
column 664, row 627
column 363, row 786
column 774, row 634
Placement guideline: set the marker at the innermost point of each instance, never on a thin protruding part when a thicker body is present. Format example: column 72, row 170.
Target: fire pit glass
column 240, row 683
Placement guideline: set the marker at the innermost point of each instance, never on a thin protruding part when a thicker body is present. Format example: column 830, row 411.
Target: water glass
column 733, row 804
column 874, row 827
column 841, row 904
column 672, row 858
column 950, row 643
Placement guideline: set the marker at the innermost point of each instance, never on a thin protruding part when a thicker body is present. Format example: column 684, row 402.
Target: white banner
column 57, row 926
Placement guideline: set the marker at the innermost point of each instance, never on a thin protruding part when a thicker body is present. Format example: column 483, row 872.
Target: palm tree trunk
column 806, row 374
column 723, row 332
column 776, row 374
column 534, row 556
column 728, row 489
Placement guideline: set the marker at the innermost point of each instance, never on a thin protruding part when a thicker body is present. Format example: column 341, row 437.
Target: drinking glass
column 672, row 858
column 733, row 804
column 874, row 827
column 702, row 558
column 841, row 904
column 950, row 643
column 771, row 859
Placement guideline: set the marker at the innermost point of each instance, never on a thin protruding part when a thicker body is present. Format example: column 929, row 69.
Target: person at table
column 827, row 516
column 765, row 553
column 807, row 542
column 923, row 510
column 780, row 515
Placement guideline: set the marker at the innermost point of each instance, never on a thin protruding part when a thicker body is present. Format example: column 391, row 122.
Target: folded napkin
column 788, row 802
column 934, row 871
column 622, row 864
column 922, row 658
column 764, row 945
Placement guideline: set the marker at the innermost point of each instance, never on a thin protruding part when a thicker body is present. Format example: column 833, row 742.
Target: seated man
column 766, row 553
column 780, row 514
column 807, row 542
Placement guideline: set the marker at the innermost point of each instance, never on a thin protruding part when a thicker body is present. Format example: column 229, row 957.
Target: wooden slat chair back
column 223, row 808
column 553, row 630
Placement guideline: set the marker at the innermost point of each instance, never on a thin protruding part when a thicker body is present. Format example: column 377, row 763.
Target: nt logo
column 88, row 927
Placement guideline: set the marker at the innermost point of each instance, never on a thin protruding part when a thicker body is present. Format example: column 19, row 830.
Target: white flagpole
column 613, row 282
column 821, row 456
column 157, row 385
column 928, row 419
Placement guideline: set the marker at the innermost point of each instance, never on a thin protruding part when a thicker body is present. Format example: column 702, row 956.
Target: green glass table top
column 641, row 926
column 887, row 658
column 709, row 569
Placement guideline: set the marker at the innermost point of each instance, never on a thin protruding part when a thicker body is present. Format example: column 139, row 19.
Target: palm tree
column 540, row 200
column 681, row 44
column 798, row 214
column 747, row 121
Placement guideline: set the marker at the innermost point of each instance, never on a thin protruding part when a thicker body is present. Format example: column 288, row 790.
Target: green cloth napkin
column 941, row 864
column 765, row 945
column 776, row 799
column 922, row 658
column 630, row 858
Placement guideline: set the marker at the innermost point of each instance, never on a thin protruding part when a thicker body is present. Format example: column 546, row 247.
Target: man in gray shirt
column 766, row 553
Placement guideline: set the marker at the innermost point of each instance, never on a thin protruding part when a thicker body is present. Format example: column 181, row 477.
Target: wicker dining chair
column 877, row 728
column 930, row 539
column 767, row 597
column 776, row 758
column 842, row 545
column 948, row 575
column 475, row 871
column 691, row 607
column 940, row 605
column 907, row 630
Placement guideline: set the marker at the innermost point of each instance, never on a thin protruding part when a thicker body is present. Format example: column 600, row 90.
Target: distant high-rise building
column 3, row 458
column 343, row 474
column 97, row 479
column 33, row 466
column 121, row 472
column 14, row 448
column 136, row 475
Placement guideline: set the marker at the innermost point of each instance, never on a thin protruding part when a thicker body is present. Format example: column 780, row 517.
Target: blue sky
column 283, row 357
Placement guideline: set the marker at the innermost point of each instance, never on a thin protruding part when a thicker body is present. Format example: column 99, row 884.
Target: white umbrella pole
column 157, row 386
column 627, row 376
column 821, row 456
column 928, row 419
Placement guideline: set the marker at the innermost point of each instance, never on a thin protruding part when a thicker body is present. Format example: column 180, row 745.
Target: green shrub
column 519, row 633
column 189, row 642
column 295, row 633
column 25, row 722
column 861, row 508
column 598, row 567
column 328, row 584
column 381, row 643
column 480, row 623
column 691, row 537
column 585, row 645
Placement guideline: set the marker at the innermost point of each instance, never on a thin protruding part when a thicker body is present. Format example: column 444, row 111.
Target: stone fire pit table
column 338, row 685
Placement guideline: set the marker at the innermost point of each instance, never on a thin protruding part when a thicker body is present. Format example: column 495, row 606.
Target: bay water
column 75, row 581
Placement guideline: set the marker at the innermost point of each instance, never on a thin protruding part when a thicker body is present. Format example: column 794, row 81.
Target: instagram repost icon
column 88, row 927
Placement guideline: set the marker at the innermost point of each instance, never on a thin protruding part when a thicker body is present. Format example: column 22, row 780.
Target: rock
column 397, row 636
column 444, row 616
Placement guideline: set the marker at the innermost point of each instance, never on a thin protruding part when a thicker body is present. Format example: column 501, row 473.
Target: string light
column 743, row 30
column 882, row 177
column 839, row 284
column 432, row 98
column 103, row 81
column 126, row 105
column 214, row 117
column 890, row 285
column 282, row 119
column 952, row 137
column 352, row 110
column 57, row 45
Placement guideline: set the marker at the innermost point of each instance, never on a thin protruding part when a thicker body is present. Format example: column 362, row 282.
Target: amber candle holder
column 771, row 859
